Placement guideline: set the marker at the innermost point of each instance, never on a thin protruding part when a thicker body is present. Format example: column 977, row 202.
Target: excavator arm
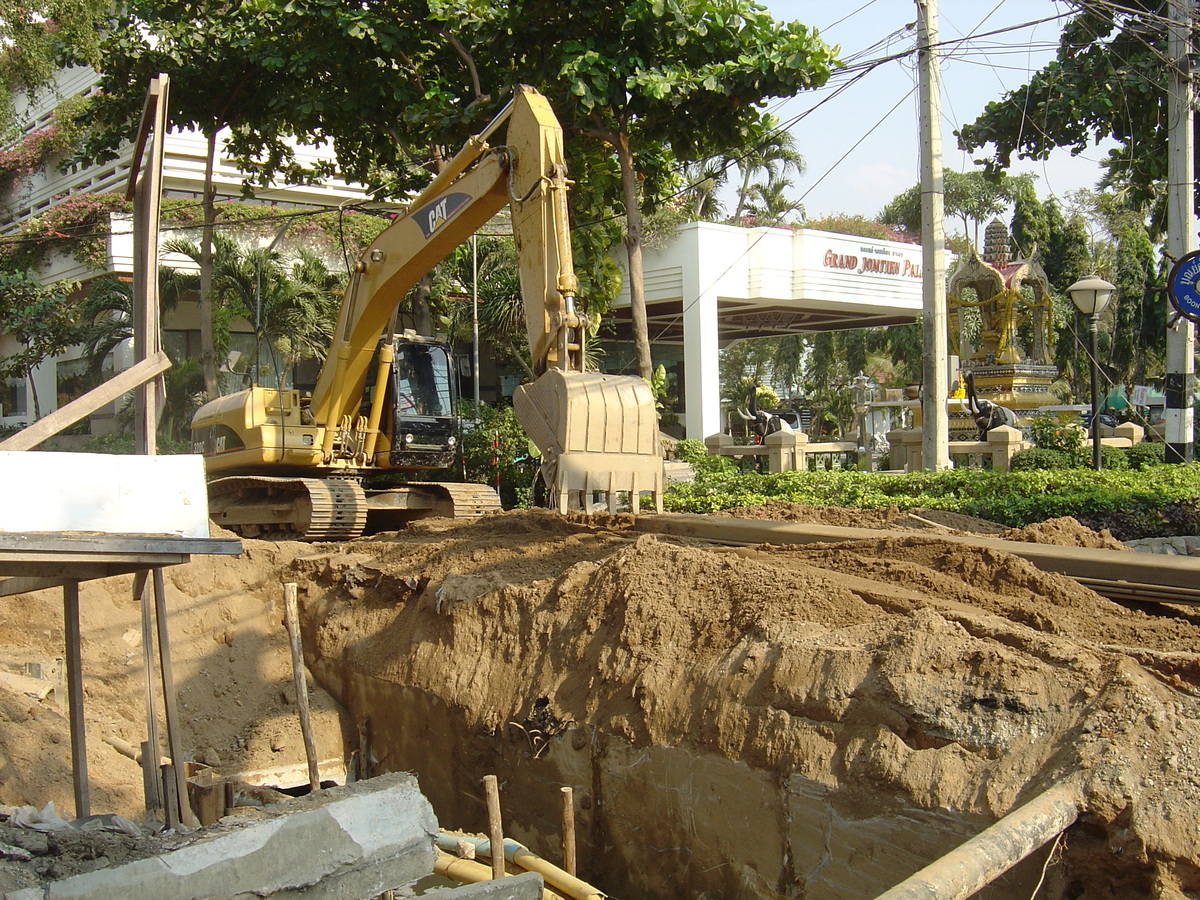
column 596, row 433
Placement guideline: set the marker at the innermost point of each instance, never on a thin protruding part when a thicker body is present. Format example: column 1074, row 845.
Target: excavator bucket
column 597, row 434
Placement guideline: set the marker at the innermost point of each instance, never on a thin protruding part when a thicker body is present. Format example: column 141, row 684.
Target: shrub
column 1146, row 454
column 1110, row 458
column 496, row 451
column 1158, row 501
column 1040, row 458
column 1052, row 433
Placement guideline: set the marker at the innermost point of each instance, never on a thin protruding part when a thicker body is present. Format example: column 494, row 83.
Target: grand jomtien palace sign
column 844, row 268
column 874, row 259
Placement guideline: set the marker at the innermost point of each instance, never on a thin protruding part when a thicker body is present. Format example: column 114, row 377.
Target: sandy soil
column 954, row 677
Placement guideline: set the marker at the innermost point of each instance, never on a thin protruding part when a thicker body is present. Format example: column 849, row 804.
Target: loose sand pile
column 893, row 677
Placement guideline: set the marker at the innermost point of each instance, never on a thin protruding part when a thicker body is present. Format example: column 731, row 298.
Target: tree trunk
column 633, row 245
column 421, row 313
column 29, row 380
column 208, row 353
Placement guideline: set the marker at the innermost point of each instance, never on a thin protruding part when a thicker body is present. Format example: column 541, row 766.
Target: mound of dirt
column 1066, row 531
column 896, row 674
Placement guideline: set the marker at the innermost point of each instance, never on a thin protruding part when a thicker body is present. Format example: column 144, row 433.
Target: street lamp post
column 1090, row 295
column 862, row 398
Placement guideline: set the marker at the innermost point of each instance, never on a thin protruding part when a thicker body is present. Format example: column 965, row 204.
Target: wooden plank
column 74, row 661
column 149, row 109
column 82, row 566
column 291, row 618
column 23, row 585
column 38, row 575
column 65, row 416
column 151, row 782
column 114, row 545
column 168, row 688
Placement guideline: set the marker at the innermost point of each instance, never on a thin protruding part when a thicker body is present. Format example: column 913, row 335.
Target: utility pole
column 1181, row 233
column 935, row 438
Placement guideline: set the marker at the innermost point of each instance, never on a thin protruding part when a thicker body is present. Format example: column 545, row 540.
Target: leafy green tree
column 651, row 82
column 1108, row 80
column 40, row 319
column 970, row 197
column 1067, row 257
column 34, row 37
column 1030, row 225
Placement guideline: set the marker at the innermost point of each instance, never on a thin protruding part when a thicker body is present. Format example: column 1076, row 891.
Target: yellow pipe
column 553, row 875
column 519, row 854
column 467, row 871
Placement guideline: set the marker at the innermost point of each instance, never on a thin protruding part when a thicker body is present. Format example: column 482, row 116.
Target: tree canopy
column 1108, row 80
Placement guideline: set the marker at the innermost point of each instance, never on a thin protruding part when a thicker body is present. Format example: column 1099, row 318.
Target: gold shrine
column 1009, row 294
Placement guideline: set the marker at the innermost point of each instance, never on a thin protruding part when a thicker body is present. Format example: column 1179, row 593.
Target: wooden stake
column 75, row 699
column 568, row 830
column 170, row 788
column 491, row 789
column 291, row 617
column 151, row 777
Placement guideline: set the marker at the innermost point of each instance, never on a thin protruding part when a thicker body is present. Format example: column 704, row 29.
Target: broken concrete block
column 356, row 841
column 526, row 886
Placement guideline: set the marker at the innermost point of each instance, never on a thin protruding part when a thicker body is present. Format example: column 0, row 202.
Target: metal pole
column 475, row 321
column 1093, row 323
column 291, row 618
column 1181, row 236
column 935, row 439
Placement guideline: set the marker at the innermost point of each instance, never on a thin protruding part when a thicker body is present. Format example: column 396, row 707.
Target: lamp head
column 1091, row 294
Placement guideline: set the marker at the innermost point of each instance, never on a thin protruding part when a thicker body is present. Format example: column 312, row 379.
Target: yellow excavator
column 313, row 467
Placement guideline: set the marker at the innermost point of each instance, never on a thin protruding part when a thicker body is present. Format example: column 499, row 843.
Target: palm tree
column 702, row 183
column 772, row 153
column 769, row 204
column 300, row 319
column 501, row 309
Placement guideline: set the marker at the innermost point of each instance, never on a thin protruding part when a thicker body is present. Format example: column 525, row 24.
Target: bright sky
column 974, row 72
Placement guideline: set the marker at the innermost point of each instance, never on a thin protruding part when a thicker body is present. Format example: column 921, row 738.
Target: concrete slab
column 526, row 886
column 354, row 841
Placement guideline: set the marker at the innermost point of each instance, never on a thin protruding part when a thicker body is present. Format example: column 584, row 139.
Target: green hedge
column 1158, row 500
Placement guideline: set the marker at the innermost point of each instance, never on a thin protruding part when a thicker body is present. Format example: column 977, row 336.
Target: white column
column 702, row 380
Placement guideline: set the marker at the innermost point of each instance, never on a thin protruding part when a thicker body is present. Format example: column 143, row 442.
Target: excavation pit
column 815, row 721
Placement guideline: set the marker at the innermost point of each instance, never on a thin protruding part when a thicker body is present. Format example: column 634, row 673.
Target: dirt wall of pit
column 780, row 722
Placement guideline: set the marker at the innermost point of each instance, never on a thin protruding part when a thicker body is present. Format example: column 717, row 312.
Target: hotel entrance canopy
column 714, row 284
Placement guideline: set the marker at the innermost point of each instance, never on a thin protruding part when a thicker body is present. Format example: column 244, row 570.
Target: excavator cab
column 424, row 432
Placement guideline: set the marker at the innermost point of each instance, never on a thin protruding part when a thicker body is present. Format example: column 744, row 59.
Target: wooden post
column 491, row 790
column 291, row 617
column 179, row 789
column 75, row 698
column 170, row 786
column 568, row 830
column 150, row 747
